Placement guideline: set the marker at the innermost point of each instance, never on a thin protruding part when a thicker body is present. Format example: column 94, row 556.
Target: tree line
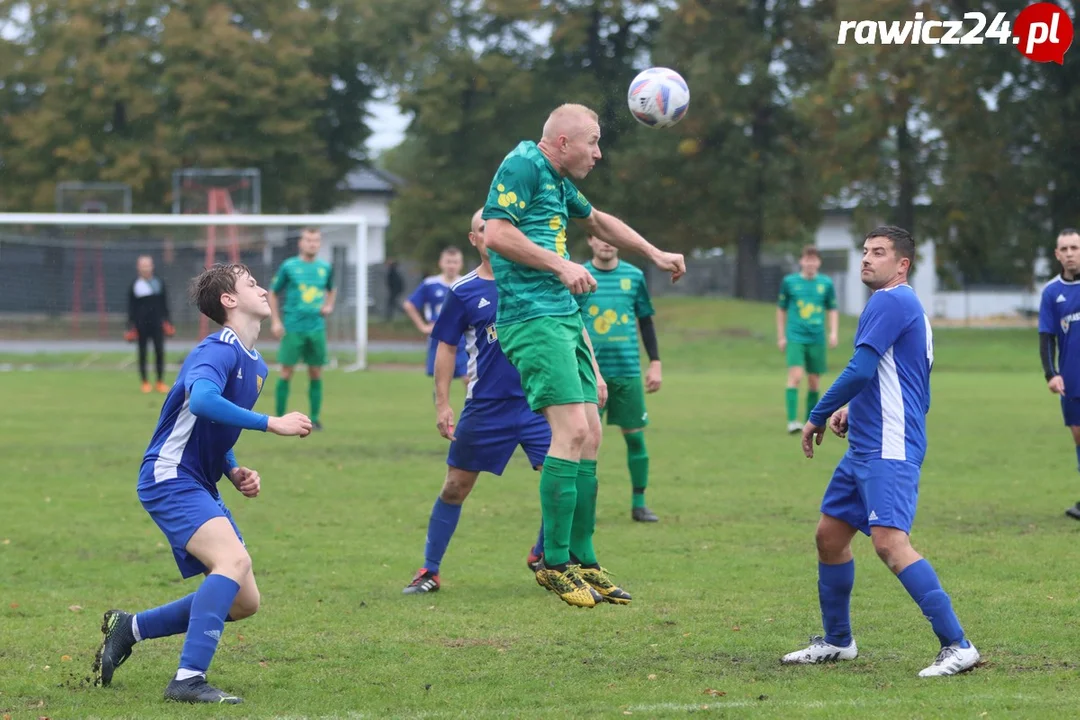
column 974, row 146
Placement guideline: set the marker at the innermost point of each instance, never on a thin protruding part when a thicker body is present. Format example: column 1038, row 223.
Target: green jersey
column 806, row 301
column 611, row 315
column 528, row 192
column 301, row 288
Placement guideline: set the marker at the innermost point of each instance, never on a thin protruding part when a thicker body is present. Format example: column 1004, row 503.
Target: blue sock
column 208, row 611
column 441, row 526
column 538, row 549
column 171, row 619
column 921, row 582
column 834, row 593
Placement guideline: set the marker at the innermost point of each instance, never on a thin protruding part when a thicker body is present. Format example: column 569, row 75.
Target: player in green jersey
column 613, row 314
column 805, row 298
column 530, row 202
column 301, row 297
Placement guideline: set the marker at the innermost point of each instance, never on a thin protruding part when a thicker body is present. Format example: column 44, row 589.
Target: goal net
column 66, row 277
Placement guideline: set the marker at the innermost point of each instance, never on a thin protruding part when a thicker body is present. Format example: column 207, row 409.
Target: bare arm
column 615, row 232
column 781, row 326
column 834, row 325
column 601, row 384
column 445, row 358
column 505, row 239
column 416, row 317
column 328, row 303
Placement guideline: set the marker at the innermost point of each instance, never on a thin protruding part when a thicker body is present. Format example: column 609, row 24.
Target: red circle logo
column 1043, row 32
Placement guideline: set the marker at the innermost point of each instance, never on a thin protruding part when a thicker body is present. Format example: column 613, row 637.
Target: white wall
column 377, row 210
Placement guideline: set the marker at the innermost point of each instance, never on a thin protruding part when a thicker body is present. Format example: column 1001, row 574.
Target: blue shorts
column 461, row 363
column 865, row 492
column 181, row 506
column 489, row 431
column 1070, row 411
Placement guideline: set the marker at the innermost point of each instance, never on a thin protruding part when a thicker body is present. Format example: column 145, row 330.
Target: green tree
column 130, row 91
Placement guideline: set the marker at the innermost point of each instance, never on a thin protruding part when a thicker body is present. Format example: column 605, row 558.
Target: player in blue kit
column 495, row 419
column 192, row 447
column 875, row 487
column 1058, row 349
column 426, row 303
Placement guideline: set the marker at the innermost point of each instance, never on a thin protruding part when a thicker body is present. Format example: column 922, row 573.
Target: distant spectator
column 395, row 285
column 148, row 319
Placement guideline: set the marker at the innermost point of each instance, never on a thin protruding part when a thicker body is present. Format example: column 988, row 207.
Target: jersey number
column 929, row 341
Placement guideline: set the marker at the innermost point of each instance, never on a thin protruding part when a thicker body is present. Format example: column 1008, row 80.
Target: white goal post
column 25, row 228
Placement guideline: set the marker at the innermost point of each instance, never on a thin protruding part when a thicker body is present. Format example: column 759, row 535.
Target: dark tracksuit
column 148, row 309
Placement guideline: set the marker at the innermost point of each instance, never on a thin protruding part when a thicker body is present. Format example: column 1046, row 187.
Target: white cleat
column 821, row 652
column 794, row 427
column 952, row 660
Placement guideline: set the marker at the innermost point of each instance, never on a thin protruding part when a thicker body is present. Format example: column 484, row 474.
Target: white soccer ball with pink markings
column 658, row 97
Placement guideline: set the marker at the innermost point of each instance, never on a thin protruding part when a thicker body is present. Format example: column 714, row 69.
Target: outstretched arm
column 207, row 403
column 504, row 238
column 615, row 232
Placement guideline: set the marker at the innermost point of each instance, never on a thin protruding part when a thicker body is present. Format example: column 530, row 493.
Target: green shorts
column 553, row 360
column 309, row 347
column 809, row 356
column 625, row 403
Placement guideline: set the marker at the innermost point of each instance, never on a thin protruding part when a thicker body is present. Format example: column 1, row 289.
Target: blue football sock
column 538, row 548
column 921, row 582
column 171, row 619
column 208, row 611
column 834, row 594
column 441, row 526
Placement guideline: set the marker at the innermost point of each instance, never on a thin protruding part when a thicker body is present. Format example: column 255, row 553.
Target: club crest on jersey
column 1068, row 320
column 625, row 284
column 258, row 383
column 492, row 335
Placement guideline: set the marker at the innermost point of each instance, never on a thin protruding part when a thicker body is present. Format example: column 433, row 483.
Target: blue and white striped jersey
column 187, row 446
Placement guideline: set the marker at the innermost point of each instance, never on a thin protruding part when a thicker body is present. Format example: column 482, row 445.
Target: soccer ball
column 658, row 97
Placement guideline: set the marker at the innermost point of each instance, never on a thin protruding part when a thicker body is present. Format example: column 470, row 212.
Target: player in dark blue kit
column 191, row 449
column 426, row 303
column 1058, row 347
column 875, row 487
column 495, row 419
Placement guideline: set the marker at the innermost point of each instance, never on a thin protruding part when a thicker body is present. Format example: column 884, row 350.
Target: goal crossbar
column 360, row 222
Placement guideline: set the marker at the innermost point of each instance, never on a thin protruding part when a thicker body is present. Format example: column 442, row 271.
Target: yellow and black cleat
column 598, row 579
column 568, row 585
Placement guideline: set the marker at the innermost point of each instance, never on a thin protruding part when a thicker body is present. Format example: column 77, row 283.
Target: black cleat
column 423, row 582
column 197, row 690
column 643, row 514
column 316, row 425
column 115, row 646
column 534, row 561
column 1074, row 511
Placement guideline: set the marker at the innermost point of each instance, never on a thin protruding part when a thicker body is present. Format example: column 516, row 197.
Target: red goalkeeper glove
column 168, row 328
column 130, row 335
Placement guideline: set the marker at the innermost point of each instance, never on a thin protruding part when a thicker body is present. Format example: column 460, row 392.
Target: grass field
column 723, row 585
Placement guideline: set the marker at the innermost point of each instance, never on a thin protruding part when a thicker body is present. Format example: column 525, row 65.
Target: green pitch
column 723, row 585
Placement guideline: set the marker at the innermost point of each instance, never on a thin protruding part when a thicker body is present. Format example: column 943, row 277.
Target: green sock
column 637, row 459
column 581, row 532
column 791, row 398
column 558, row 498
column 315, row 395
column 282, row 395
column 812, row 396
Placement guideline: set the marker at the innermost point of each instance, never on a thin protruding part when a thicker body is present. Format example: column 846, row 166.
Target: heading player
column 307, row 284
column 1058, row 349
column 530, row 201
column 192, row 447
column 875, row 487
column 805, row 298
column 426, row 303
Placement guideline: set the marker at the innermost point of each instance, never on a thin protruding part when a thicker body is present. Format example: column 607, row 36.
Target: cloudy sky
column 387, row 126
